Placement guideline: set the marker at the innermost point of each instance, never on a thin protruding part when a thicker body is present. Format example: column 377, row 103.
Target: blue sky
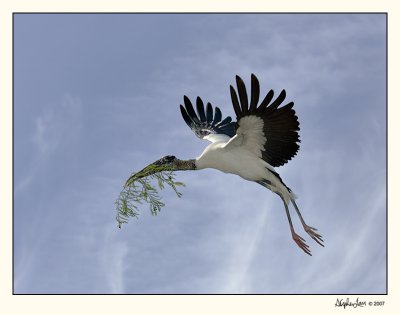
column 97, row 97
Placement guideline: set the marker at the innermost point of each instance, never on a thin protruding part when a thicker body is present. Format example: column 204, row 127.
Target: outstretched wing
column 268, row 129
column 207, row 123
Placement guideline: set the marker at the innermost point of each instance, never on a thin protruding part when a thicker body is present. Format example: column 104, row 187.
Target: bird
column 264, row 136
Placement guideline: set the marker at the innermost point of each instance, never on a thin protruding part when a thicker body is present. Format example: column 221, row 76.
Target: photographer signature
column 347, row 302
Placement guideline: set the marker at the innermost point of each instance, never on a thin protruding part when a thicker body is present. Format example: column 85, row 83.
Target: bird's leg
column 298, row 239
column 309, row 229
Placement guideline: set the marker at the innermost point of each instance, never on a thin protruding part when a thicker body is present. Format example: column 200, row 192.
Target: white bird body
column 241, row 154
column 234, row 158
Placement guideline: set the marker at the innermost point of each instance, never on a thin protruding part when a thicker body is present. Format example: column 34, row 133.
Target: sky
column 97, row 97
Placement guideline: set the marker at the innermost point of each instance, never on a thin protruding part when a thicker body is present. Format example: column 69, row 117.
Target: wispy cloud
column 113, row 259
column 235, row 278
column 60, row 122
column 57, row 127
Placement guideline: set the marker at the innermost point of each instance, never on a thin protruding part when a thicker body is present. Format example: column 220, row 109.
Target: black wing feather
column 186, row 117
column 200, row 109
column 242, row 95
column 281, row 124
column 190, row 110
column 227, row 120
column 255, row 94
column 210, row 114
column 208, row 122
column 235, row 102
column 217, row 116
column 278, row 101
column 267, row 99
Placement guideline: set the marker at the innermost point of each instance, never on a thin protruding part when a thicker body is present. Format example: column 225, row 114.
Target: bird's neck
column 186, row 165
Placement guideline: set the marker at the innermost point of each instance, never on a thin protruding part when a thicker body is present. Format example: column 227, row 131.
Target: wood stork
column 265, row 136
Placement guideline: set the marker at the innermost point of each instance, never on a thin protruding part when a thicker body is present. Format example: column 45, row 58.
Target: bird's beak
column 150, row 169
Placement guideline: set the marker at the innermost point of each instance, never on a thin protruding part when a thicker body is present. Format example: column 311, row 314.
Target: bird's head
column 166, row 163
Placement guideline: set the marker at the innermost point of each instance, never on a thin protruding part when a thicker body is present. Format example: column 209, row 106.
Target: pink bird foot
column 314, row 235
column 301, row 243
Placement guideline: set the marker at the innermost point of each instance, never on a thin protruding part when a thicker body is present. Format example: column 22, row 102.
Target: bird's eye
column 169, row 158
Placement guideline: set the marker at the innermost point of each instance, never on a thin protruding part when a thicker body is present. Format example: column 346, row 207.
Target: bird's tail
column 280, row 189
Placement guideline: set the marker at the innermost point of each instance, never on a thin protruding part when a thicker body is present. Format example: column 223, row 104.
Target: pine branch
column 139, row 190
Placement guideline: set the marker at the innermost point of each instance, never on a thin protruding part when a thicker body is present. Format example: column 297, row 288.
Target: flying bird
column 265, row 135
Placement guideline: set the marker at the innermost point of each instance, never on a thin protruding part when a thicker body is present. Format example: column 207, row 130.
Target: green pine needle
column 141, row 190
